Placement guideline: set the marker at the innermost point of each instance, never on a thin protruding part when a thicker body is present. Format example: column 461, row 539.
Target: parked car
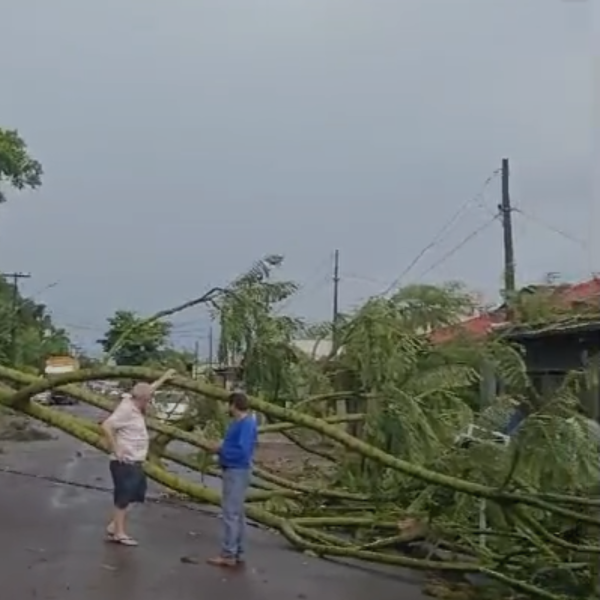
column 54, row 398
column 59, row 365
column 60, row 399
column 43, row 398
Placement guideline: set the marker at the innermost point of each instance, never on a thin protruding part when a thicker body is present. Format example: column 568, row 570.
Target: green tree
column 36, row 335
column 254, row 336
column 170, row 358
column 17, row 168
column 85, row 360
column 139, row 342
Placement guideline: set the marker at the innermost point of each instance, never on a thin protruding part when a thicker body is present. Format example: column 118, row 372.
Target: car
column 43, row 398
column 60, row 399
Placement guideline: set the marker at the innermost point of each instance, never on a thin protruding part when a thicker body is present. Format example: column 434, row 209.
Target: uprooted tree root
column 353, row 512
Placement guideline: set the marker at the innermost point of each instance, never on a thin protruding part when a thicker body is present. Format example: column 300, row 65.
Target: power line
column 95, row 329
column 460, row 245
column 551, row 228
column 476, row 200
column 318, row 280
column 200, row 326
column 361, row 279
column 22, row 301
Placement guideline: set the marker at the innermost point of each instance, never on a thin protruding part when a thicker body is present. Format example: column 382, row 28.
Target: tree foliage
column 36, row 335
column 142, row 342
column 418, row 398
column 253, row 334
column 183, row 361
column 17, row 168
column 414, row 401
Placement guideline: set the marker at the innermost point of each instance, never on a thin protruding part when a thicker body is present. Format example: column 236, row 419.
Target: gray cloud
column 182, row 140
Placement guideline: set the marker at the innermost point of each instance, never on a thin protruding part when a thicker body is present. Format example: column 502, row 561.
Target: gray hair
column 142, row 391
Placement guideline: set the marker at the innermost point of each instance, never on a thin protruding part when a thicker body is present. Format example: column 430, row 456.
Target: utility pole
column 196, row 359
column 336, row 299
column 210, row 347
column 14, row 321
column 509, row 249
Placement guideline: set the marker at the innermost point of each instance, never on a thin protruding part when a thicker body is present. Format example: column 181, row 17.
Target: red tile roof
column 482, row 325
column 582, row 292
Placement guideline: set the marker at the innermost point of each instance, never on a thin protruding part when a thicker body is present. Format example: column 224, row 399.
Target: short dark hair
column 239, row 401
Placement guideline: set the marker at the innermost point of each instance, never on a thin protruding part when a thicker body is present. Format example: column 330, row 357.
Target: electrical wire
column 77, row 327
column 460, row 245
column 186, row 328
column 315, row 282
column 361, row 279
column 551, row 228
column 477, row 200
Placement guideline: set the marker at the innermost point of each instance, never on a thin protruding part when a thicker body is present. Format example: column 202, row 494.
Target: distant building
column 231, row 376
column 315, row 348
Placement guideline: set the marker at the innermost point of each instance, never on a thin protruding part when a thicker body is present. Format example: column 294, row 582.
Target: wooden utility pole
column 509, row 249
column 14, row 317
column 210, row 348
column 336, row 299
column 196, row 359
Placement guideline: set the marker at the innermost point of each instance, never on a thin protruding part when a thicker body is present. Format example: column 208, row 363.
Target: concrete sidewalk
column 53, row 549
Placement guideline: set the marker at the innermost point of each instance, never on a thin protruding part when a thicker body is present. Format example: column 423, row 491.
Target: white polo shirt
column 129, row 428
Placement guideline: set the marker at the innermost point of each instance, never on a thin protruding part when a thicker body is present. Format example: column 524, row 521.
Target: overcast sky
column 182, row 140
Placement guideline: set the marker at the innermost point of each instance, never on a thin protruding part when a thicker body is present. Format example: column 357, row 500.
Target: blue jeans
column 235, row 486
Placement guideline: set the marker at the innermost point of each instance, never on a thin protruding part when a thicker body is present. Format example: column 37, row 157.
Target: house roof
column 568, row 324
column 482, row 325
column 476, row 327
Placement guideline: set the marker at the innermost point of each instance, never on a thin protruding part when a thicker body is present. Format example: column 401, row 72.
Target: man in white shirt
column 128, row 440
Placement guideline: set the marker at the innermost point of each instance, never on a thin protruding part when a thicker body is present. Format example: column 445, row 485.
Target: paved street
column 51, row 536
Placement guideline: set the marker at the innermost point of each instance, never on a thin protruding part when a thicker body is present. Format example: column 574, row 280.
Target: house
column 230, row 376
column 585, row 293
column 553, row 347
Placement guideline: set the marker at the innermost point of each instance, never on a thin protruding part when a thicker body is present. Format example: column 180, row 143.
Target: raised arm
column 162, row 380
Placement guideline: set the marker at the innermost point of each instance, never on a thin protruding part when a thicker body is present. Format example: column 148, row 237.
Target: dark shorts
column 129, row 481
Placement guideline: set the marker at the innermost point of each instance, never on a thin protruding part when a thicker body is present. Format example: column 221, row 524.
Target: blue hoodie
column 237, row 450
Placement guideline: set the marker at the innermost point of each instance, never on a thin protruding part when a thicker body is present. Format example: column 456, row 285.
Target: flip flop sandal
column 124, row 540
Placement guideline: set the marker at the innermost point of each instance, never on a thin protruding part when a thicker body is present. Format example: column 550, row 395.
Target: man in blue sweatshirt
column 235, row 453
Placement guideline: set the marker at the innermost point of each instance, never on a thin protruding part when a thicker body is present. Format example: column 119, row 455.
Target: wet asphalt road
column 52, row 546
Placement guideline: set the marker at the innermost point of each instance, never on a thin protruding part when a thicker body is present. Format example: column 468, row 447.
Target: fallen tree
column 521, row 509
column 393, row 486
